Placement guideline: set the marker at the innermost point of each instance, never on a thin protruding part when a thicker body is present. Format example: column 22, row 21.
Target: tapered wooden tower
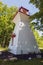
column 23, row 40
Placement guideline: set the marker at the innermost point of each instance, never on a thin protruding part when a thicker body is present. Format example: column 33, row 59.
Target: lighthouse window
column 22, row 24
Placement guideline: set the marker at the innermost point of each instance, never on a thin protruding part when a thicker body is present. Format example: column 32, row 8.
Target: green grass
column 23, row 62
column 3, row 49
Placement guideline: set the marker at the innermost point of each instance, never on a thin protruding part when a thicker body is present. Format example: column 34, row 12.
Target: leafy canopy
column 38, row 15
column 6, row 24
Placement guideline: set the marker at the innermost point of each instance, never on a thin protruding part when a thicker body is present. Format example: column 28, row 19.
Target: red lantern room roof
column 23, row 10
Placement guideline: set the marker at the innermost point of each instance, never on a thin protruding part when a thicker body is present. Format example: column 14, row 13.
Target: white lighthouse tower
column 23, row 40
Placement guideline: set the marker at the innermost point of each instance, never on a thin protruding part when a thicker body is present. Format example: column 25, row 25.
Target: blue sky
column 19, row 3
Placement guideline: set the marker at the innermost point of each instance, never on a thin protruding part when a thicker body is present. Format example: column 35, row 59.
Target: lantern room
column 23, row 10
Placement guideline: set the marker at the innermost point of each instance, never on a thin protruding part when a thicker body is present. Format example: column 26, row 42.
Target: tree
column 6, row 24
column 38, row 15
column 38, row 38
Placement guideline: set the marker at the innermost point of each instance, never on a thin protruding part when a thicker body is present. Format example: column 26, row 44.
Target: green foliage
column 38, row 38
column 38, row 15
column 6, row 24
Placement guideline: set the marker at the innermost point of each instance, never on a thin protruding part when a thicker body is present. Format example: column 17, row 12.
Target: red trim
column 13, row 35
column 15, row 14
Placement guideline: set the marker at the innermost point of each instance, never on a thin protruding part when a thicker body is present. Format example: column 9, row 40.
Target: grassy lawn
column 23, row 62
column 3, row 49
